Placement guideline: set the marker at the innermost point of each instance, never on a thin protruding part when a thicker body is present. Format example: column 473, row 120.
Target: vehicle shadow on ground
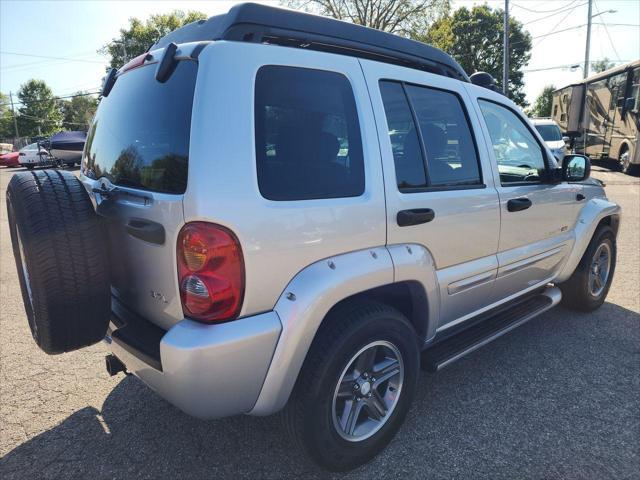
column 556, row 398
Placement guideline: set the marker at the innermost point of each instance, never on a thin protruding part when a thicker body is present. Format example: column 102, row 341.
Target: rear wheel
column 30, row 166
column 60, row 258
column 355, row 387
column 589, row 285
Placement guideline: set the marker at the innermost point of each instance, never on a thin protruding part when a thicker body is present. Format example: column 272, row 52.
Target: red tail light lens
column 210, row 272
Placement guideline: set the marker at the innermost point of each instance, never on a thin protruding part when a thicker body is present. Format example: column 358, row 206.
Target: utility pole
column 505, row 50
column 13, row 111
column 585, row 70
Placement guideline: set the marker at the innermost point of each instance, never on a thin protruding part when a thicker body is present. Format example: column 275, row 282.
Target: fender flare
column 310, row 295
column 303, row 305
column 590, row 217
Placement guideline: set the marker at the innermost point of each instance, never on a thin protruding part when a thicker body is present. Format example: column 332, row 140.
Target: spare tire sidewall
column 22, row 262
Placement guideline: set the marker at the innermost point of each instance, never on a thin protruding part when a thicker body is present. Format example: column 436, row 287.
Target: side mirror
column 575, row 168
column 566, row 139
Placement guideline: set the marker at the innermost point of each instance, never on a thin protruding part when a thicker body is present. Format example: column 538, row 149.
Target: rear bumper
column 207, row 371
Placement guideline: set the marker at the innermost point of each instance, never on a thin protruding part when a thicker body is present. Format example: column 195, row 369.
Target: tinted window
column 140, row 134
column 405, row 143
column 519, row 156
column 450, row 150
column 549, row 133
column 307, row 135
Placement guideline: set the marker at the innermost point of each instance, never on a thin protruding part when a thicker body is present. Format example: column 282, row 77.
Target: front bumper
column 207, row 371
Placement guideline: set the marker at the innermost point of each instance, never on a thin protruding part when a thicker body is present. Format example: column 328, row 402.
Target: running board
column 455, row 346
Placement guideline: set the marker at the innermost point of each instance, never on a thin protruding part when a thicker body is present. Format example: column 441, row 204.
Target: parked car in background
column 10, row 159
column 34, row 155
column 552, row 136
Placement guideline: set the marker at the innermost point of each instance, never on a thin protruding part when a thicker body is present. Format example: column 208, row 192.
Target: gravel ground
column 556, row 398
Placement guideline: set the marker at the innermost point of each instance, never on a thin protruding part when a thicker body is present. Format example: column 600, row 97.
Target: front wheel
column 589, row 284
column 355, row 387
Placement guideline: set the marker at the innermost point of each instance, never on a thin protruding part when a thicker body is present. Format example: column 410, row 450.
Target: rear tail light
column 210, row 272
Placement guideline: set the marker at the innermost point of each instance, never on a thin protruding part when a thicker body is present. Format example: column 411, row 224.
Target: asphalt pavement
column 558, row 398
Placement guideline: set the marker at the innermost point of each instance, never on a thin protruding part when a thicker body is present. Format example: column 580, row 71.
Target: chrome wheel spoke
column 346, row 387
column 376, row 406
column 350, row 416
column 383, row 371
column 366, row 360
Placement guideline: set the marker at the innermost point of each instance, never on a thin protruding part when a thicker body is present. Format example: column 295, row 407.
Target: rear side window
column 403, row 134
column 140, row 134
column 451, row 152
column 308, row 143
column 441, row 141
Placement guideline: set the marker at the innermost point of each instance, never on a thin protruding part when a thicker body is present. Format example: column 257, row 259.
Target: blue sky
column 75, row 30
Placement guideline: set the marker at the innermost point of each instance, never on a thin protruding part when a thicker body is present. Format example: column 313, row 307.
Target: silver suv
column 279, row 211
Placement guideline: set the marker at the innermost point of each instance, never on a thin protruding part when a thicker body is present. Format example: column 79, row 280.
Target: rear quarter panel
column 278, row 238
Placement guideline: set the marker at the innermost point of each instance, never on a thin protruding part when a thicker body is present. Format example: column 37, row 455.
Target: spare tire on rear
column 61, row 259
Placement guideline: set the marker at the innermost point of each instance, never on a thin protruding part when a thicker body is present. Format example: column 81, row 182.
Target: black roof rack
column 250, row 22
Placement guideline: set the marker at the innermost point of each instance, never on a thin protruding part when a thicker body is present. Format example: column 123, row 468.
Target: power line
column 569, row 7
column 61, row 97
column 544, row 11
column 607, row 32
column 71, row 59
column 569, row 65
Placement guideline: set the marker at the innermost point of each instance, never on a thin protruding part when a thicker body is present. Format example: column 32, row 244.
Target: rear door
column 136, row 162
column 537, row 217
column 431, row 160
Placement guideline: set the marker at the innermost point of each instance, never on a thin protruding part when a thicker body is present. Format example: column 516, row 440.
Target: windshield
column 549, row 133
column 140, row 134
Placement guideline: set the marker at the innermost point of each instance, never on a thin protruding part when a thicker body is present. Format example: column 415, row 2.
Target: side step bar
column 455, row 346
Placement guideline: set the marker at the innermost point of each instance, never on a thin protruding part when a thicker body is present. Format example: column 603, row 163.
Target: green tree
column 78, row 111
column 6, row 117
column 39, row 113
column 602, row 65
column 140, row 35
column 542, row 104
column 474, row 38
column 402, row 17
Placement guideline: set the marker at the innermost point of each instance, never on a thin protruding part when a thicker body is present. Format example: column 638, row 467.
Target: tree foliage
column 6, row 117
column 474, row 37
column 602, row 65
column 140, row 35
column 402, row 17
column 78, row 111
column 542, row 104
column 39, row 113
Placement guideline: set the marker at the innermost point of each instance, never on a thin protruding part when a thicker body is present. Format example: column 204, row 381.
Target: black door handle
column 146, row 230
column 416, row 216
column 580, row 197
column 517, row 204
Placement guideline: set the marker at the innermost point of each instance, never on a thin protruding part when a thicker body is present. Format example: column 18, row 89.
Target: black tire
column 576, row 292
column 63, row 253
column 309, row 414
column 626, row 166
column 30, row 166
